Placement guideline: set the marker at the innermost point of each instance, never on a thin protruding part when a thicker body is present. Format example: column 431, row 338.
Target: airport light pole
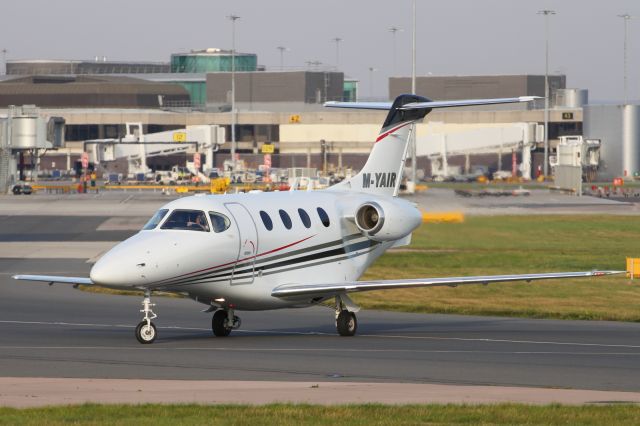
column 233, row 19
column 371, row 71
column 282, row 49
column 337, row 41
column 4, row 60
column 413, row 91
column 393, row 31
column 314, row 65
column 626, row 18
column 546, row 14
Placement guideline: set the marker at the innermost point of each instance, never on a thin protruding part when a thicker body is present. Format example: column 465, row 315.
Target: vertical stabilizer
column 382, row 172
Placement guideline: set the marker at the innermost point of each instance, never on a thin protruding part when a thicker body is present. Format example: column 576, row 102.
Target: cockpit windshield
column 219, row 222
column 187, row 220
column 155, row 220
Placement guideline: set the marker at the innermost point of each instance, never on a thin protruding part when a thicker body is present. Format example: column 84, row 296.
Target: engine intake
column 387, row 220
column 370, row 218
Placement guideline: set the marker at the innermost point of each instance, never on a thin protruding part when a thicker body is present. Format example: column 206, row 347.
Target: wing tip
column 598, row 273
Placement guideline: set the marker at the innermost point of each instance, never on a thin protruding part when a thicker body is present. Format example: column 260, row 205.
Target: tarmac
column 62, row 345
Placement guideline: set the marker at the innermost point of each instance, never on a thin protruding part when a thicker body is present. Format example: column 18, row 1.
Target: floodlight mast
column 233, row 19
column 4, row 61
column 626, row 18
column 393, row 30
column 413, row 91
column 371, row 71
column 546, row 14
column 282, row 49
column 337, row 41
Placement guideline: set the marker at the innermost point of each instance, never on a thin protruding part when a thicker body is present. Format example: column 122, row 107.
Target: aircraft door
column 244, row 269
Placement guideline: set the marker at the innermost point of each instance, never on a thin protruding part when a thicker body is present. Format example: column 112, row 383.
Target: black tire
column 347, row 324
column 144, row 334
column 218, row 323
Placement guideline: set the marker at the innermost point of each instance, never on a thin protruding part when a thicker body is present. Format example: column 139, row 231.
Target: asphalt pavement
column 58, row 331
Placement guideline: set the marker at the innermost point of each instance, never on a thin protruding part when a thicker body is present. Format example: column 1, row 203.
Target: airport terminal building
column 284, row 108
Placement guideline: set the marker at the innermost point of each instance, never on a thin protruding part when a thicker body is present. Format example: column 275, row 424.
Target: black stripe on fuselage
column 248, row 262
column 301, row 262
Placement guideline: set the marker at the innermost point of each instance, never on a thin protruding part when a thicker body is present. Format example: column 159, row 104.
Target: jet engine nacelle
column 387, row 220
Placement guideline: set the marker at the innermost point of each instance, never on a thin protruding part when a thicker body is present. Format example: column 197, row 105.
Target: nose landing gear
column 223, row 322
column 146, row 330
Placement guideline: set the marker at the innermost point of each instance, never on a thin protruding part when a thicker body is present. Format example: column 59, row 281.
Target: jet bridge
column 136, row 147
column 444, row 141
column 24, row 129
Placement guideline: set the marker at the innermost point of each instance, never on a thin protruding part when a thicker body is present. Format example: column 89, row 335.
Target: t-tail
column 382, row 173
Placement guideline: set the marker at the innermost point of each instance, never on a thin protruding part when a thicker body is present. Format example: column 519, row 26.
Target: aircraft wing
column 329, row 290
column 54, row 279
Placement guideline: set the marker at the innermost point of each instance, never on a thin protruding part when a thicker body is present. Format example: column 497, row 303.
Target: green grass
column 285, row 414
column 517, row 244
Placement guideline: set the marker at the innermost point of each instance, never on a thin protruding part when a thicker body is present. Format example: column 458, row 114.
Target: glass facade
column 212, row 62
column 197, row 91
column 350, row 91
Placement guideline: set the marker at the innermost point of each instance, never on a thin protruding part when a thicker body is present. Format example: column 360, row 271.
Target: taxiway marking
column 462, row 339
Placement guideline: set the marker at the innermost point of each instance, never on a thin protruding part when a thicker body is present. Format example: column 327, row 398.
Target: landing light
column 219, row 300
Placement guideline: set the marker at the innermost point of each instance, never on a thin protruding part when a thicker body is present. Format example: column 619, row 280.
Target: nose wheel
column 146, row 331
column 223, row 321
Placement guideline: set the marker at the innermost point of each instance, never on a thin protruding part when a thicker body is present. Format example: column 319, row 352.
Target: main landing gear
column 146, row 330
column 223, row 322
column 346, row 322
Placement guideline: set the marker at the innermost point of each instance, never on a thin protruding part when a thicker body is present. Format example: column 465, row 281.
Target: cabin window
column 324, row 217
column 304, row 217
column 155, row 220
column 286, row 220
column 266, row 220
column 187, row 220
column 219, row 222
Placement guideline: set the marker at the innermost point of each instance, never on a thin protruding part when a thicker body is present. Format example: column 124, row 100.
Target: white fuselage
column 240, row 266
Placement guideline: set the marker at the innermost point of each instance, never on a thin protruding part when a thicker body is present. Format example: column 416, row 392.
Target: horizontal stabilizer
column 329, row 290
column 54, row 279
column 359, row 105
column 430, row 104
column 468, row 102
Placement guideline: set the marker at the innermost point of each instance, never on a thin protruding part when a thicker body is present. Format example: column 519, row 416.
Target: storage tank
column 631, row 140
column 571, row 98
column 24, row 132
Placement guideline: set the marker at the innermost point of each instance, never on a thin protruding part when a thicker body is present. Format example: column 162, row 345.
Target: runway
column 60, row 332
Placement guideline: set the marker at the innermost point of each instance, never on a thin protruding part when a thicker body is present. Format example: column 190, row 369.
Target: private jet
column 275, row 250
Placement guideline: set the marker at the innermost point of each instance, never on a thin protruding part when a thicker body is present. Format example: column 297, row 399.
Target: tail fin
column 382, row 172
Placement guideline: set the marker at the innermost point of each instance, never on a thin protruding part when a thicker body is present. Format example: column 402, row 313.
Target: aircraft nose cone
column 107, row 272
column 123, row 266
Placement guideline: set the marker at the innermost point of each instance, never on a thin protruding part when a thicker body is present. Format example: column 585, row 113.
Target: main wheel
column 346, row 323
column 146, row 333
column 218, row 324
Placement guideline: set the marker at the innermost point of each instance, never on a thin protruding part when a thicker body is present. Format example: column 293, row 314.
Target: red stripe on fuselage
column 240, row 260
column 395, row 129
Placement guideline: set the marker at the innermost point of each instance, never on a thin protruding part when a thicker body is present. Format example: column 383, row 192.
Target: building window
column 304, row 217
column 324, row 217
column 266, row 220
column 286, row 220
